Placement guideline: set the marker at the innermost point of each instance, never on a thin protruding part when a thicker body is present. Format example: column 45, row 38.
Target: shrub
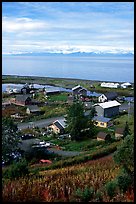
column 16, row 170
column 124, row 181
column 110, row 188
column 86, row 194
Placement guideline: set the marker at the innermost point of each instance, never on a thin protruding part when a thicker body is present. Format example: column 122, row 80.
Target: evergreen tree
column 10, row 137
column 126, row 130
column 78, row 125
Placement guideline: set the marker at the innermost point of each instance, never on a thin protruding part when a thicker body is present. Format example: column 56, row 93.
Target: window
column 102, row 124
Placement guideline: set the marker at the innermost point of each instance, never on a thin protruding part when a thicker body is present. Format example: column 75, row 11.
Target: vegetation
column 60, row 185
column 78, row 125
column 10, row 138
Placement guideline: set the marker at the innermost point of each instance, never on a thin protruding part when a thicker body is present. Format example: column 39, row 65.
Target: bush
column 16, row 170
column 111, row 188
column 86, row 194
column 124, row 181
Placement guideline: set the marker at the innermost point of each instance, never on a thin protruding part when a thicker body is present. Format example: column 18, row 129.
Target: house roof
column 60, row 124
column 111, row 95
column 126, row 84
column 101, row 119
column 82, row 89
column 119, row 130
column 33, row 108
column 108, row 104
column 22, row 97
column 76, row 87
column 102, row 135
column 52, row 89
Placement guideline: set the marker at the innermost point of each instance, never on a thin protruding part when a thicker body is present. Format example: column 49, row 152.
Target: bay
column 117, row 69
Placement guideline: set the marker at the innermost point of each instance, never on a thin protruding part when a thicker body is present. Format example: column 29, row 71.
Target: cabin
column 23, row 100
column 79, row 90
column 101, row 121
column 109, row 96
column 58, row 126
column 33, row 109
column 119, row 133
column 103, row 136
column 107, row 109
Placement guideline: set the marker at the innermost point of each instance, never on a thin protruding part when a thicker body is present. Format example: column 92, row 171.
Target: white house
column 126, row 85
column 107, row 96
column 110, row 85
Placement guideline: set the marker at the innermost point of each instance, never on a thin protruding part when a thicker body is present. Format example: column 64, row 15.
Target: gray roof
column 52, row 89
column 111, row 95
column 108, row 104
column 102, row 135
column 22, row 97
column 102, row 119
column 33, row 108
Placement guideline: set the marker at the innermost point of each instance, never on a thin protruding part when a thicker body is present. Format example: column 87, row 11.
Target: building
column 110, row 85
column 34, row 109
column 103, row 136
column 102, row 121
column 107, row 97
column 107, row 109
column 79, row 90
column 51, row 90
column 23, row 100
column 126, row 85
column 58, row 126
column 119, row 133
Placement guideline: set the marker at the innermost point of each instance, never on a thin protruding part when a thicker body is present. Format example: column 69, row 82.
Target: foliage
column 111, row 188
column 77, row 123
column 85, row 194
column 124, row 181
column 124, row 156
column 126, row 130
column 16, row 170
column 10, row 138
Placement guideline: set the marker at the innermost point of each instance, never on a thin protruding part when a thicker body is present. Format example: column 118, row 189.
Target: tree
column 77, row 123
column 126, row 130
column 124, row 156
column 10, row 138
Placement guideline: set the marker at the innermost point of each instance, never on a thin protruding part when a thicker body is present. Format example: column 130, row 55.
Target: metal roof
column 108, row 104
column 60, row 123
column 102, row 119
column 76, row 87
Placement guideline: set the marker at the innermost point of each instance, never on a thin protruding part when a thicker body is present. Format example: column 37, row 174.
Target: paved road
column 125, row 106
column 39, row 123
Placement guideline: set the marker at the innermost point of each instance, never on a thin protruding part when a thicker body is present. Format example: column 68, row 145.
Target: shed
column 107, row 96
column 107, row 109
column 34, row 109
column 103, row 136
column 119, row 133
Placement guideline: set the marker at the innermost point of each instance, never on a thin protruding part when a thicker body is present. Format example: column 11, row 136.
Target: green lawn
column 59, row 97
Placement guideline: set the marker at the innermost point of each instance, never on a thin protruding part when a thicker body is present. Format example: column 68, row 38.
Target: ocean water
column 118, row 69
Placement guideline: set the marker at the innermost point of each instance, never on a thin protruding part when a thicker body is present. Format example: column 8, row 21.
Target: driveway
column 40, row 123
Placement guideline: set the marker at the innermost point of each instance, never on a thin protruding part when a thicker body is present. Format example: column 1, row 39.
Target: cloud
column 66, row 26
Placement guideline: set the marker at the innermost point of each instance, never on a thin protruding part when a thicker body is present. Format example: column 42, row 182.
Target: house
column 79, row 90
column 34, row 109
column 103, row 136
column 58, row 126
column 51, row 90
column 119, row 133
column 107, row 97
column 126, row 85
column 23, row 100
column 107, row 109
column 110, row 85
column 101, row 121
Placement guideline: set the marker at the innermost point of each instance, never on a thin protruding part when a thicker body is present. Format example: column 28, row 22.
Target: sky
column 34, row 27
